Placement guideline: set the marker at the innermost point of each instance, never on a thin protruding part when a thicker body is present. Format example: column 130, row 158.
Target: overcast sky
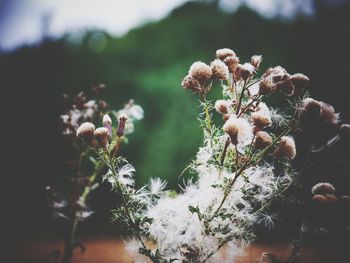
column 21, row 20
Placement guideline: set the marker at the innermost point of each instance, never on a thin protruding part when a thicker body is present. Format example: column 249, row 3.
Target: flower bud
column 319, row 199
column 238, row 129
column 256, row 61
column 219, row 69
column 300, row 82
column 191, row 83
column 200, row 71
column 286, row 86
column 286, row 148
column 266, row 86
column 231, row 63
column 244, row 71
column 262, row 140
column 86, row 132
column 102, row 136
column 331, row 198
column 224, row 53
column 260, row 120
column 121, row 125
column 107, row 123
column 222, row 106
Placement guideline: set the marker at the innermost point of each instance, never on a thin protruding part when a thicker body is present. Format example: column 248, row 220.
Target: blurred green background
column 146, row 64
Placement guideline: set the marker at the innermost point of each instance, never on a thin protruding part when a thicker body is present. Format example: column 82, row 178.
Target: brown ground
column 111, row 250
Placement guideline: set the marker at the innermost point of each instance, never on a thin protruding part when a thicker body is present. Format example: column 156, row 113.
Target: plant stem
column 241, row 97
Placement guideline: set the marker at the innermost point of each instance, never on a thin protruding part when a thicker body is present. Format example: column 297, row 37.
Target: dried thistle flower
column 256, row 61
column 200, row 71
column 222, row 106
column 224, row 53
column 323, row 189
column 107, row 122
column 102, row 136
column 262, row 140
column 310, row 110
column 328, row 114
column 260, row 119
column 267, row 86
column 286, row 86
column 86, row 132
column 244, row 71
column 238, row 129
column 300, row 82
column 121, row 125
column 219, row 69
column 275, row 71
column 191, row 83
column 331, row 198
column 232, row 63
column 286, row 148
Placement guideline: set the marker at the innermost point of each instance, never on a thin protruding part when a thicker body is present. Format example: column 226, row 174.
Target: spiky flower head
column 219, row 69
column 191, row 83
column 267, row 86
column 256, row 60
column 286, row 86
column 323, row 189
column 121, row 125
column 260, row 119
column 200, row 71
column 244, row 71
column 286, row 148
column 262, row 140
column 238, row 129
column 222, row 106
column 232, row 63
column 102, row 136
column 300, row 82
column 86, row 131
column 224, row 53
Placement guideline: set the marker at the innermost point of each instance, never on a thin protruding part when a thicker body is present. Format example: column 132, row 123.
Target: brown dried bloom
column 323, row 189
column 286, row 148
column 200, row 71
column 238, row 129
column 328, row 114
column 121, row 125
column 262, row 140
column 278, row 70
column 191, row 83
column 222, row 106
column 300, row 82
column 86, row 132
column 260, row 119
column 266, row 86
column 219, row 69
column 232, row 63
column 102, row 136
column 331, row 198
column 224, row 53
column 244, row 71
column 286, row 86
column 256, row 60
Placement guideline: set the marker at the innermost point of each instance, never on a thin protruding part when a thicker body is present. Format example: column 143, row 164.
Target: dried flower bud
column 219, row 69
column 191, row 83
column 300, row 82
column 286, row 86
column 262, row 140
column 200, row 71
column 232, row 63
column 278, row 70
column 328, row 114
column 222, row 106
column 286, row 148
column 107, row 122
column 311, row 109
column 319, row 199
column 121, row 126
column 323, row 189
column 86, row 132
column 267, row 86
column 238, row 129
column 224, row 53
column 102, row 136
column 244, row 71
column 256, row 60
column 260, row 119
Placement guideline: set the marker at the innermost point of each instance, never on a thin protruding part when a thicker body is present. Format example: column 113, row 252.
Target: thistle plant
column 242, row 166
column 87, row 144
